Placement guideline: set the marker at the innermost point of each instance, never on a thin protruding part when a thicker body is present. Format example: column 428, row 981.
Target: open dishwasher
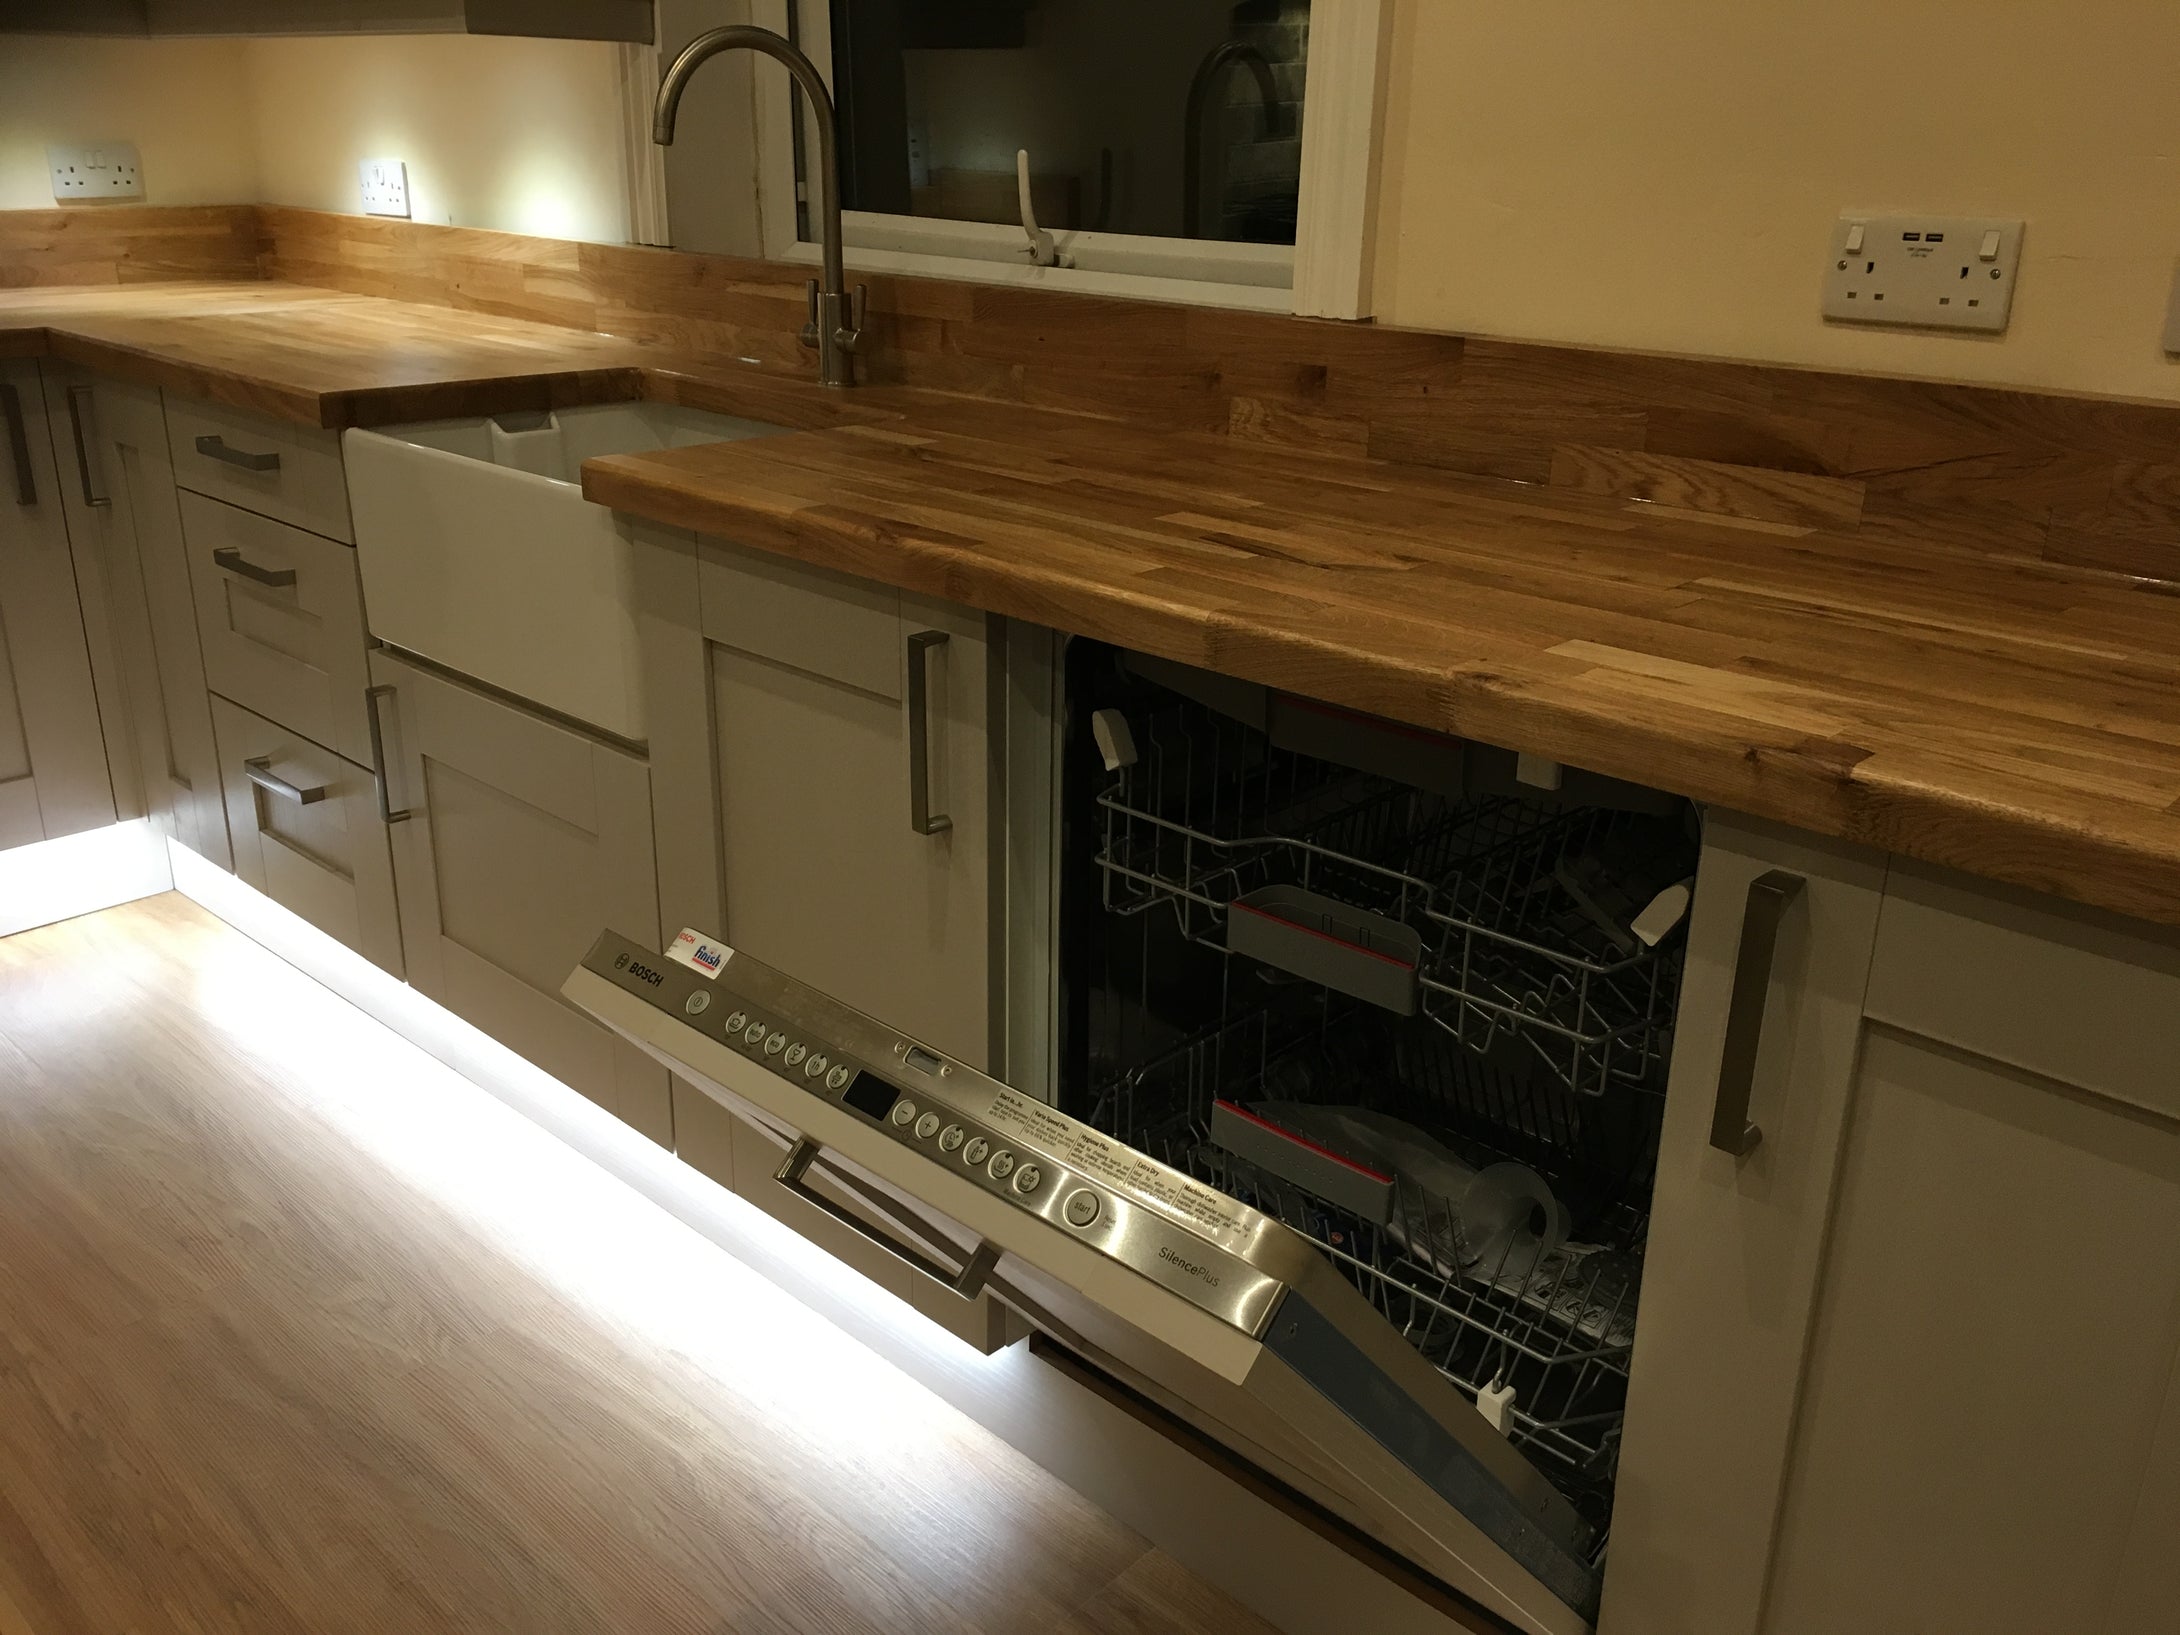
column 1362, row 1043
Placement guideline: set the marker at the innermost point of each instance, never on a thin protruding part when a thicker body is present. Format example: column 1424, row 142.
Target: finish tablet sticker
column 703, row 955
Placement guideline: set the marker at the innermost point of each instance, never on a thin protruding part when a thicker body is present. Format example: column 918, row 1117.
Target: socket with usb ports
column 1923, row 271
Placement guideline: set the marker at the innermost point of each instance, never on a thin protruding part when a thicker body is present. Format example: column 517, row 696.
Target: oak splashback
column 2020, row 476
column 127, row 244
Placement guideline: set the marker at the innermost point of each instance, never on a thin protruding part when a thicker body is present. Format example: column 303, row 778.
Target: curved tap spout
column 837, row 323
column 1227, row 54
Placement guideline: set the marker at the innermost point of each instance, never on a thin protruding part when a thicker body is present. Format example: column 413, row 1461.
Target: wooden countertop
column 2020, row 721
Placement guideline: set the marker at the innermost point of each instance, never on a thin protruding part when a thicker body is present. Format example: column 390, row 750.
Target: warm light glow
column 59, row 879
column 583, row 1203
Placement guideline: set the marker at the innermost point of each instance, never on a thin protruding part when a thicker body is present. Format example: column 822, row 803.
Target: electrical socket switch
column 1923, row 272
column 95, row 170
column 385, row 187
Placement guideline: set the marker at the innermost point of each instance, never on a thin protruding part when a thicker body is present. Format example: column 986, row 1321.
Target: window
column 1209, row 150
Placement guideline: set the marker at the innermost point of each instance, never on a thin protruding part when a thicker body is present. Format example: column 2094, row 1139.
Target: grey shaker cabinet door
column 307, row 833
column 124, row 488
column 53, row 775
column 1737, row 1244
column 525, row 839
column 841, row 711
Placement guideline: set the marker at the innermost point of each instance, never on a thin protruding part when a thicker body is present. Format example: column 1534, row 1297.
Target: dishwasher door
column 1223, row 1312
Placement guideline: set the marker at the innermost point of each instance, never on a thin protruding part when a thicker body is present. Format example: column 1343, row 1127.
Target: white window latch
column 1042, row 251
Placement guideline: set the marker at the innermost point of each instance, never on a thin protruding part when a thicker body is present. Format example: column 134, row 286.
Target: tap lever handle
column 810, row 329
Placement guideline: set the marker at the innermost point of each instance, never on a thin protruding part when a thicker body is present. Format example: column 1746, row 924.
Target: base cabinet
column 122, row 495
column 1913, row 1362
column 53, row 774
column 516, row 841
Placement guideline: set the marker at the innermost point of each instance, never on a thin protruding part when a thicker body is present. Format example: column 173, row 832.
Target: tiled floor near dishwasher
column 301, row 1332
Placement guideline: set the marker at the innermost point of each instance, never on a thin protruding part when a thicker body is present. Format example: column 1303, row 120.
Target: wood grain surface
column 128, row 244
column 1935, row 619
column 299, row 1333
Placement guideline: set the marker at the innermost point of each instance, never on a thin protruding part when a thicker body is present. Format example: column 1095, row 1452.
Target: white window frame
column 1324, row 274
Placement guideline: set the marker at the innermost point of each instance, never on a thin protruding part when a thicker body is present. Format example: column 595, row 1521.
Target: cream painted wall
column 521, row 135
column 1663, row 176
column 182, row 102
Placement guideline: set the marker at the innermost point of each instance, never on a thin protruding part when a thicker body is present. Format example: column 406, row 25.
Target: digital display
column 870, row 1096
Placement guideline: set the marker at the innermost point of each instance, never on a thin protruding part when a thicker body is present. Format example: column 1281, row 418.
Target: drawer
column 280, row 619
column 308, row 833
column 273, row 467
column 811, row 619
column 2080, row 996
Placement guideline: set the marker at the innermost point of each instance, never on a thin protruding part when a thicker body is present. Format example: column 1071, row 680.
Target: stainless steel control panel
column 1164, row 1225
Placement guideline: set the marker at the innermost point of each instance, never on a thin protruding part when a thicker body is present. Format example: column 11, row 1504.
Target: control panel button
column 737, row 1021
column 795, row 1054
column 904, row 1111
column 755, row 1031
column 976, row 1151
column 814, row 1068
column 1027, row 1177
column 775, row 1044
column 697, row 1003
column 1002, row 1164
column 837, row 1077
column 1082, row 1207
column 927, row 1126
column 951, row 1138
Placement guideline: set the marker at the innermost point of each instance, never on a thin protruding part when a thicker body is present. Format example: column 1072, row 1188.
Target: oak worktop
column 2019, row 720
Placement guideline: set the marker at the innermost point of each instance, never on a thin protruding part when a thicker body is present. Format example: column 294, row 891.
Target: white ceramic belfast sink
column 479, row 552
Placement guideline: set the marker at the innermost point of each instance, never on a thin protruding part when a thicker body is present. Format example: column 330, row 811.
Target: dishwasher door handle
column 1770, row 896
column 214, row 447
column 920, row 816
column 968, row 1281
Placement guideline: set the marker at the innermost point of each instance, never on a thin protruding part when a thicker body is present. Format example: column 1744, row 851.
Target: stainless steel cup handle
column 968, row 1281
column 386, row 812
column 258, row 769
column 1770, row 896
column 215, row 448
column 76, row 397
column 11, row 409
column 920, row 816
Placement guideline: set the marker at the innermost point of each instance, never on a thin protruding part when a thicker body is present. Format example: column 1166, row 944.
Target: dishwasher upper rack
column 1210, row 811
column 1558, row 1330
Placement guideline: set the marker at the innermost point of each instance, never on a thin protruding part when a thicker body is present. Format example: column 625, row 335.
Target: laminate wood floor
column 301, row 1332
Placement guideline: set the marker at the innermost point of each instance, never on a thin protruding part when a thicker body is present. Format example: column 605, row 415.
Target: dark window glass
column 1119, row 103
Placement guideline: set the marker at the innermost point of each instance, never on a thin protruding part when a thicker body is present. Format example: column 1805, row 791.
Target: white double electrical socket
column 385, row 187
column 1923, row 272
column 95, row 170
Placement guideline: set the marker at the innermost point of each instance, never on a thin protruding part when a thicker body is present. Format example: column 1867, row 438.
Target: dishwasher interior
column 1373, row 983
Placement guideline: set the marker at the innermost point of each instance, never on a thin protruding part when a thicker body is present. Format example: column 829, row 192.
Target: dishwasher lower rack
column 1512, row 947
column 1558, row 1330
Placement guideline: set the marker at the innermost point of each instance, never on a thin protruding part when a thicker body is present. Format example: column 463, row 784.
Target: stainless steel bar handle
column 233, row 561
column 386, row 812
column 215, row 448
column 920, row 816
column 1770, row 896
column 76, row 395
column 258, row 769
column 26, row 481
column 968, row 1282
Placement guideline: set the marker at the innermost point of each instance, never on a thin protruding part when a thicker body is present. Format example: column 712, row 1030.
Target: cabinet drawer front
column 272, row 467
column 307, row 833
column 826, row 624
column 2074, row 994
column 280, row 617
